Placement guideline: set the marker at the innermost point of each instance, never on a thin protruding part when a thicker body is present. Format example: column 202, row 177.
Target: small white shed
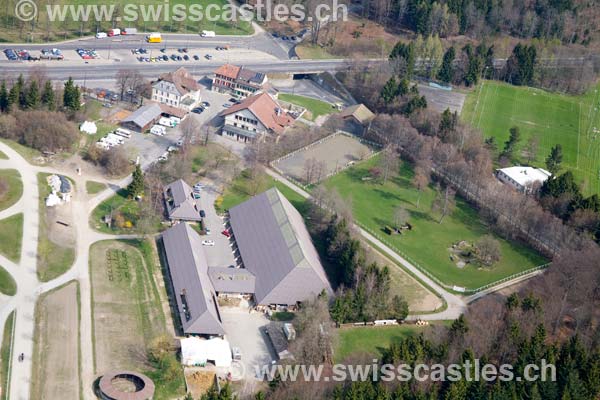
column 89, row 127
column 196, row 351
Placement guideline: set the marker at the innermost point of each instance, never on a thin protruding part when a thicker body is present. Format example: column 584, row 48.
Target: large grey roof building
column 180, row 202
column 196, row 299
column 143, row 118
column 276, row 247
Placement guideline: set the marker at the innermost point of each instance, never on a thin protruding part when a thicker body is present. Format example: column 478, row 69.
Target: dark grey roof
column 144, row 115
column 231, row 280
column 180, row 202
column 65, row 185
column 275, row 333
column 250, row 76
column 276, row 248
column 196, row 299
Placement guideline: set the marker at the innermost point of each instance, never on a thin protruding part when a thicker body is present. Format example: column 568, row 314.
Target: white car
column 208, row 242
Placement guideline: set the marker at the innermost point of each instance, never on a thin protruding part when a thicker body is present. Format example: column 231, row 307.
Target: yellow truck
column 154, row 38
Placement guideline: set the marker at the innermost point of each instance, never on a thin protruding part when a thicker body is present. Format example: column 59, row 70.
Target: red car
column 226, row 233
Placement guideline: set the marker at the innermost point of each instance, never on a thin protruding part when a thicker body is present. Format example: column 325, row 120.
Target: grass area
column 314, row 108
column 283, row 316
column 11, row 28
column 26, row 152
column 11, row 237
column 8, row 286
column 56, row 343
column 3, row 156
column 428, row 242
column 14, row 187
column 53, row 260
column 571, row 121
column 93, row 187
column 371, row 340
column 5, row 354
column 119, row 206
column 243, row 188
column 306, row 51
column 125, row 296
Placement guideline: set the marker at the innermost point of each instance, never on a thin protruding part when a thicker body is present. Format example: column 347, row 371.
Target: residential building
column 259, row 117
column 180, row 202
column 143, row 118
column 178, row 89
column 523, row 179
column 239, row 82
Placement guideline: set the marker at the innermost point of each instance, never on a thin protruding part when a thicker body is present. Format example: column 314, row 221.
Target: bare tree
column 444, row 202
column 420, row 181
column 401, row 217
column 488, row 250
column 390, row 162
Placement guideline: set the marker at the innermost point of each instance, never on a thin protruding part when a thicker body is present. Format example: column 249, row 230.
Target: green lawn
column 243, row 188
column 53, row 260
column 5, row 354
column 428, row 243
column 14, row 190
column 8, row 286
column 26, row 152
column 371, row 340
column 306, row 51
column 93, row 187
column 314, row 108
column 3, row 156
column 570, row 121
column 120, row 203
column 10, row 31
column 11, row 237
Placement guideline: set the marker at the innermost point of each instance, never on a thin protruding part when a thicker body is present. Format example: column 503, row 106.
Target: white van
column 158, row 130
column 101, row 35
column 208, row 34
column 166, row 122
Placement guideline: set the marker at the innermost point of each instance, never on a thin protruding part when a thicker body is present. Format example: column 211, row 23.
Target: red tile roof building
column 237, row 81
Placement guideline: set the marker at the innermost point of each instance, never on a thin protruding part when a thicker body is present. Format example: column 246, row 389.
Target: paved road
column 62, row 71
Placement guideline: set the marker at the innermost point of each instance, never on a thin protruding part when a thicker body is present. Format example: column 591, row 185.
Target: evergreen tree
column 511, row 143
column 554, row 159
column 71, row 96
column 446, row 72
column 48, row 99
column 4, row 101
column 13, row 97
column 20, row 92
column 136, row 187
column 32, row 98
column 389, row 91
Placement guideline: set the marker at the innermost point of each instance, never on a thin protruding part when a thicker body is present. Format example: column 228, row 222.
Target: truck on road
column 154, row 38
column 129, row 31
column 208, row 34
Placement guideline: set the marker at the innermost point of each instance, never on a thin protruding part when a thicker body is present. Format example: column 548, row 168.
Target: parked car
column 208, row 242
column 202, row 214
column 196, row 57
column 198, row 110
column 236, row 353
column 227, row 105
column 208, row 57
column 186, row 57
column 205, row 104
column 207, row 230
column 226, row 232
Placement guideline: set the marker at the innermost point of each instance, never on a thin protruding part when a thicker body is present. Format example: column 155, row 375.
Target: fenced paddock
column 324, row 158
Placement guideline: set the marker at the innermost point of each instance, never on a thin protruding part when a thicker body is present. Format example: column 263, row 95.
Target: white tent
column 53, row 200
column 89, row 127
column 196, row 351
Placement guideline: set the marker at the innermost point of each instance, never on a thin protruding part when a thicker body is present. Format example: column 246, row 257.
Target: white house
column 523, row 178
column 89, row 127
column 177, row 89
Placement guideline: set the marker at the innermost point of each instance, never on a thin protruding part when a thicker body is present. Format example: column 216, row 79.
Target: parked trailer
column 158, row 130
column 114, row 32
column 166, row 122
column 129, row 31
column 123, row 133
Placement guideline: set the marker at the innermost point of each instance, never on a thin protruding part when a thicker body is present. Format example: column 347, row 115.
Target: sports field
column 572, row 121
column 147, row 16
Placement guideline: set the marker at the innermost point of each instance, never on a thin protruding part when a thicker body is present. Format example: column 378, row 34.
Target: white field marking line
column 477, row 102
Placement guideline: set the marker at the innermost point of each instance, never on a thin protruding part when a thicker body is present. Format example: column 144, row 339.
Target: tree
column 4, row 104
column 389, row 162
column 399, row 308
column 136, row 187
column 32, row 98
column 420, row 181
column 48, row 98
column 444, row 202
column 389, row 91
column 554, row 159
column 511, row 143
column 532, row 147
column 401, row 217
column 71, row 96
column 446, row 72
column 488, row 250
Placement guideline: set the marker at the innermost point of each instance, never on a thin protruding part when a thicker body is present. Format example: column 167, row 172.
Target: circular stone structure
column 126, row 385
